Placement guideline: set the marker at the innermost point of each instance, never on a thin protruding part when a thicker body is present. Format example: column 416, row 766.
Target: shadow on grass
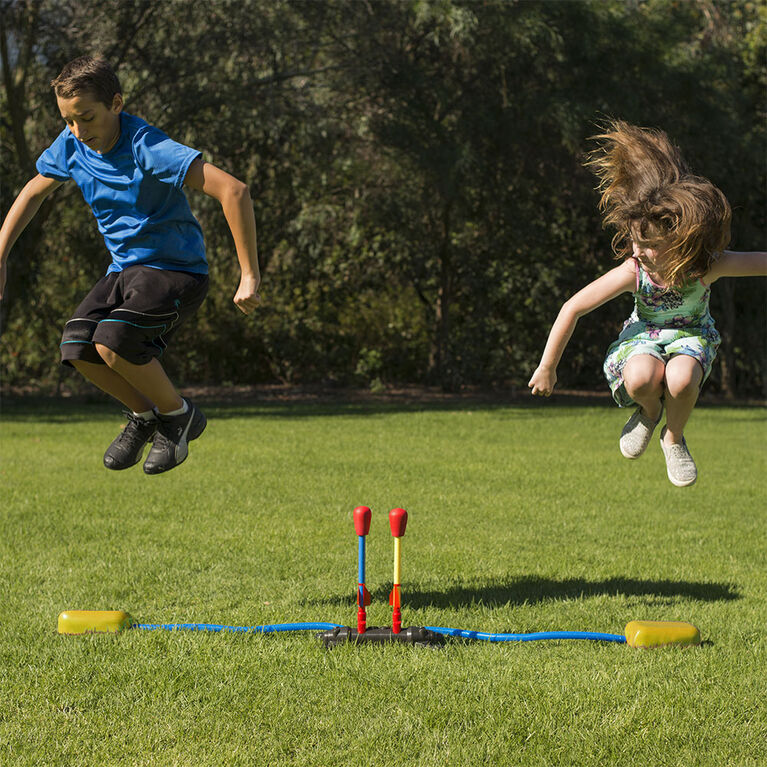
column 65, row 411
column 532, row 590
column 341, row 403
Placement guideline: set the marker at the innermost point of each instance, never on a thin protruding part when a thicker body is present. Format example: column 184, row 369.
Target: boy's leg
column 114, row 339
column 178, row 420
column 127, row 448
column 145, row 387
column 130, row 341
column 78, row 351
column 149, row 381
column 147, row 306
column 114, row 384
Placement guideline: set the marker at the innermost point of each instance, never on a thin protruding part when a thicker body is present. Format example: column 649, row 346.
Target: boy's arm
column 238, row 211
column 21, row 213
column 734, row 263
column 618, row 280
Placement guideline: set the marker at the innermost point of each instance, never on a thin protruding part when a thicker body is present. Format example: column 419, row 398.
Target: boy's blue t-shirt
column 135, row 193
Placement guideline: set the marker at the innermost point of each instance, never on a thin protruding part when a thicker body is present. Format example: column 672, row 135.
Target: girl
column 671, row 231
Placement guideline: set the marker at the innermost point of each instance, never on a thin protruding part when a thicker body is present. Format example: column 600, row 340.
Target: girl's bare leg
column 643, row 377
column 683, row 377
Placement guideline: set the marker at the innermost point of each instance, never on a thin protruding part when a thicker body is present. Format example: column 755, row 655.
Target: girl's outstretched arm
column 733, row 263
column 619, row 280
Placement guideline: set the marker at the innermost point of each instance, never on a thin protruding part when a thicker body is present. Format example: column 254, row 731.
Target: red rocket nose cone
column 397, row 522
column 362, row 520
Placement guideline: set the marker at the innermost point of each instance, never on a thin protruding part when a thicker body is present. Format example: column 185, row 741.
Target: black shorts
column 133, row 313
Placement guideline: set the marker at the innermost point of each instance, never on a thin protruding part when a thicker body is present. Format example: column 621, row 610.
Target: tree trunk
column 726, row 326
column 23, row 267
column 439, row 359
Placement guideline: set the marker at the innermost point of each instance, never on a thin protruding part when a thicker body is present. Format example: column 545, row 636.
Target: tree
column 416, row 169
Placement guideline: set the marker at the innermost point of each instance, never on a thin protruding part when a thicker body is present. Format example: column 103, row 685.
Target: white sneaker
column 637, row 433
column 680, row 467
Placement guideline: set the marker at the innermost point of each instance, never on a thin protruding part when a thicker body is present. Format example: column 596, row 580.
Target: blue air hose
column 460, row 633
column 533, row 637
column 215, row 627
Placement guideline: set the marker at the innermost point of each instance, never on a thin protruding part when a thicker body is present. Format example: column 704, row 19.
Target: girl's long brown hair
column 647, row 187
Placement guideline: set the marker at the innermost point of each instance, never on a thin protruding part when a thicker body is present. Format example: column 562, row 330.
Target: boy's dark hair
column 87, row 74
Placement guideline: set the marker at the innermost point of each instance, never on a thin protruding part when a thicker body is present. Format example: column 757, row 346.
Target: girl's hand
column 246, row 298
column 543, row 381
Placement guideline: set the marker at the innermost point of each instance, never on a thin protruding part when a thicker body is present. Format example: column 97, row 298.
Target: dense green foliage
column 416, row 170
column 521, row 518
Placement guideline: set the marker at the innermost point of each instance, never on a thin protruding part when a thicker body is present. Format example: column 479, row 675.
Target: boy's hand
column 543, row 381
column 246, row 298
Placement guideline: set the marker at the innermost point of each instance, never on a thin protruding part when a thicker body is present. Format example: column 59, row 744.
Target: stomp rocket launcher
column 644, row 634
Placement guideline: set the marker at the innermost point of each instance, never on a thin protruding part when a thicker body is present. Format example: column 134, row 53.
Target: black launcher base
column 414, row 635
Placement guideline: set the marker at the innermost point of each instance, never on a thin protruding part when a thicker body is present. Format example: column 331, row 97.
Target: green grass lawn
column 522, row 517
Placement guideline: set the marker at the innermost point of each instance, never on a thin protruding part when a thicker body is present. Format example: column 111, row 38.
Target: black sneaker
column 171, row 442
column 128, row 447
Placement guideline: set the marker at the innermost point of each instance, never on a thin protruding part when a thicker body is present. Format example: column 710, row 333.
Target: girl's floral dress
column 665, row 322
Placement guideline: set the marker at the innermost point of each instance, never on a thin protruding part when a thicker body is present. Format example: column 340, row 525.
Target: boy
column 131, row 175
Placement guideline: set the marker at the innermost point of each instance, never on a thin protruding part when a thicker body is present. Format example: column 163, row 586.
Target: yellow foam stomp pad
column 648, row 634
column 94, row 621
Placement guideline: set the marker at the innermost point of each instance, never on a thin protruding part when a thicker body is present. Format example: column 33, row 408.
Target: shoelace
column 131, row 434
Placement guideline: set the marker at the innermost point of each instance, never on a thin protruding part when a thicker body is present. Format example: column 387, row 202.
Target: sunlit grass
column 523, row 517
